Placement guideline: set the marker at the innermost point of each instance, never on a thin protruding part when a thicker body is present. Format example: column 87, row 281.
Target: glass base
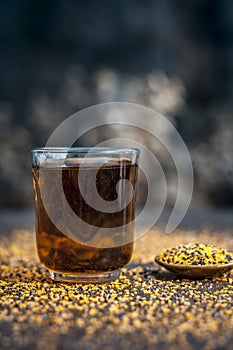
column 82, row 277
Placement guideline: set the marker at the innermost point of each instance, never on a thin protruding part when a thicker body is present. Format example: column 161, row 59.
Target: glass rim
column 83, row 149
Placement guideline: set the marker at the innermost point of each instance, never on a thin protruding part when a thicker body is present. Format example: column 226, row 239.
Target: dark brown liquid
column 62, row 254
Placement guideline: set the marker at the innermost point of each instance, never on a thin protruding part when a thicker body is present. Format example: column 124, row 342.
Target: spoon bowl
column 196, row 271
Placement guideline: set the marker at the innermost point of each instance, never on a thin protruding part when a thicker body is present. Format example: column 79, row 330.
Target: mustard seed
column 144, row 309
column 196, row 254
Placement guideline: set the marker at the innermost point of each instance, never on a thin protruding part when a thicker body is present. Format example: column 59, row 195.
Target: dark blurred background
column 57, row 57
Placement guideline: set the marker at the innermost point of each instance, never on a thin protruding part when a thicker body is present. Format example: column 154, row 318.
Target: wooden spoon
column 196, row 271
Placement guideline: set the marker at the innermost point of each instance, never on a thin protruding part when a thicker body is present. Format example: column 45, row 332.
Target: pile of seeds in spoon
column 196, row 254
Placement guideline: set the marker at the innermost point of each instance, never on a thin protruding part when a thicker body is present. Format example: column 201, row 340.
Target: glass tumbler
column 84, row 208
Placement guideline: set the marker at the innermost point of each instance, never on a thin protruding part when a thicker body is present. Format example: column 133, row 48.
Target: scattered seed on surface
column 145, row 308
